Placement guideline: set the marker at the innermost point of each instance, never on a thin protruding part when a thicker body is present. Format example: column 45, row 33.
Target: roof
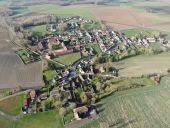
column 32, row 93
column 81, row 109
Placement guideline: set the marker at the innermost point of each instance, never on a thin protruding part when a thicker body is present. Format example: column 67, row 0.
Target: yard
column 95, row 47
column 140, row 108
column 12, row 105
column 24, row 55
column 69, row 58
column 50, row 74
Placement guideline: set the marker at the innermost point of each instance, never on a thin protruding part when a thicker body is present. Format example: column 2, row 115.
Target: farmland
column 12, row 70
column 60, row 10
column 146, row 107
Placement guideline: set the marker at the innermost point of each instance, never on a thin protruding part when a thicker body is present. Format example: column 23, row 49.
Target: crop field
column 13, row 72
column 139, row 108
column 69, row 58
column 124, row 18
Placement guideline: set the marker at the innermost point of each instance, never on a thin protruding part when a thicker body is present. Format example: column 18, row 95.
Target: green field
column 5, row 123
column 144, row 31
column 12, row 105
column 142, row 65
column 62, row 11
column 24, row 55
column 39, row 30
column 68, row 59
column 49, row 119
column 95, row 47
column 146, row 107
column 50, row 74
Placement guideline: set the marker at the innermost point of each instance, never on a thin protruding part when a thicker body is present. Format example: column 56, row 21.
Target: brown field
column 121, row 18
column 13, row 72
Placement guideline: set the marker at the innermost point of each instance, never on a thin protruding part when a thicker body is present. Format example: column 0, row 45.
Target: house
column 84, row 112
column 151, row 40
column 32, row 94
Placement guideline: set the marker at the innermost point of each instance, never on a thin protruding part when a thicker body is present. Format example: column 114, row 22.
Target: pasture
column 142, row 65
column 137, row 108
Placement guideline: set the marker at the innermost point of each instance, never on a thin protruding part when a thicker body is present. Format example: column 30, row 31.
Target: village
column 73, row 86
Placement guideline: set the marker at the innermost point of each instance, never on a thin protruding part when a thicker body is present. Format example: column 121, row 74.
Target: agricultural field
column 12, row 105
column 62, row 11
column 13, row 72
column 139, row 108
column 69, row 58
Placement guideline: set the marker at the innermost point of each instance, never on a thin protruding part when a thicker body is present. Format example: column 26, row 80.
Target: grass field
column 144, row 31
column 62, row 11
column 39, row 30
column 5, row 123
column 50, row 74
column 49, row 119
column 142, row 65
column 95, row 47
column 69, row 58
column 138, row 108
column 12, row 105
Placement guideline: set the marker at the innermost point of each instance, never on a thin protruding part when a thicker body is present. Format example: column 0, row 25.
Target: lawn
column 95, row 47
column 50, row 74
column 146, row 107
column 69, row 58
column 142, row 65
column 12, row 105
column 49, row 119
